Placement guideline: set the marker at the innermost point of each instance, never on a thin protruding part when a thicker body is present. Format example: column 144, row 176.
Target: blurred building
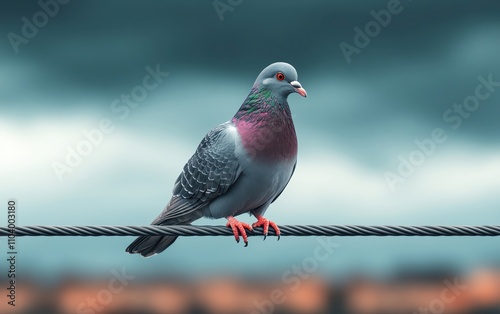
column 478, row 293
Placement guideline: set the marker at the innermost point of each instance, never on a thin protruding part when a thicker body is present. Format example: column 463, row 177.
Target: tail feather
column 150, row 245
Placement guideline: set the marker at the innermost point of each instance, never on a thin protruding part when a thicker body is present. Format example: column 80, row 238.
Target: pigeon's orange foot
column 262, row 221
column 238, row 228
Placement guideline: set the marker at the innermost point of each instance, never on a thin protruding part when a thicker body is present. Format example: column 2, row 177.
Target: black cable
column 286, row 230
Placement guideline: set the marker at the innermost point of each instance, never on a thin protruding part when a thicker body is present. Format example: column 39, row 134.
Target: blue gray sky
column 360, row 120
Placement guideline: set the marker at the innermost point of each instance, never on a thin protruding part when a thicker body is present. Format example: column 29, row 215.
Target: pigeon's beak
column 298, row 88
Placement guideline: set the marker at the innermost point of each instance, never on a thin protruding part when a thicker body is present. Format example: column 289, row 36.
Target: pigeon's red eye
column 280, row 76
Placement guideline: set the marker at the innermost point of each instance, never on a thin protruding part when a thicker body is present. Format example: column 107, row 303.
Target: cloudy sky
column 425, row 73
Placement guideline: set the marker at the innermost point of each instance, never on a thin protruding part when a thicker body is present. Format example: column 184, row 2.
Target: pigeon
column 241, row 166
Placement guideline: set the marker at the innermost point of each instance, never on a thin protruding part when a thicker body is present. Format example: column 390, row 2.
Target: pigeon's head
column 281, row 79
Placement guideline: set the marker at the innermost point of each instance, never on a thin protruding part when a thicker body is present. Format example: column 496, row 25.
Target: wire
column 286, row 230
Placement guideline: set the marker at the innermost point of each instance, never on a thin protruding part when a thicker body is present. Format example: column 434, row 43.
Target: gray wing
column 209, row 173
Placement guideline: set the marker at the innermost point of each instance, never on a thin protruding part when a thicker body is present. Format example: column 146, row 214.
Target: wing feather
column 210, row 172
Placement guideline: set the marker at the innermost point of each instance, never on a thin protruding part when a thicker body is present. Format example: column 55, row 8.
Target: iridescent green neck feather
column 264, row 122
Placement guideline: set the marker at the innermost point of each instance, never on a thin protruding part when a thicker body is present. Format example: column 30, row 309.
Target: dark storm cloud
column 92, row 47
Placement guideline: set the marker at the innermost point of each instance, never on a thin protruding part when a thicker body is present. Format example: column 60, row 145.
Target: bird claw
column 262, row 221
column 238, row 228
